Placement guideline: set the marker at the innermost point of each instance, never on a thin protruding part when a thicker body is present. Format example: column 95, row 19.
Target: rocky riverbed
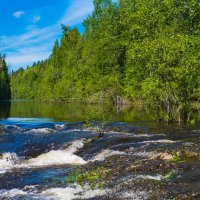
column 47, row 160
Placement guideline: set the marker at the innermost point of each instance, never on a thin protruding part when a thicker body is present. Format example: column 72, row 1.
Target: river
column 47, row 153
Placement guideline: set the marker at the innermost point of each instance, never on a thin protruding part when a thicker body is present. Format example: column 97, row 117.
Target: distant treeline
column 138, row 50
column 5, row 93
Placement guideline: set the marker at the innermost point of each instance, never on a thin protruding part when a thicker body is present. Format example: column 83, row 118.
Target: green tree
column 140, row 50
column 4, row 80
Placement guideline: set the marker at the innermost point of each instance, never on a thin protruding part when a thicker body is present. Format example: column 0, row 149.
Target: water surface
column 41, row 143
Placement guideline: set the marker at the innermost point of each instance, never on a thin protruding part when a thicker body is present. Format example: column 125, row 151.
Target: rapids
column 41, row 158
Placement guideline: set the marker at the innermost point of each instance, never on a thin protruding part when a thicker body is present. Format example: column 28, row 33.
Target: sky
column 29, row 28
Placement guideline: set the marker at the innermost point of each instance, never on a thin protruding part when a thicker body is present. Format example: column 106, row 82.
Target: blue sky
column 29, row 28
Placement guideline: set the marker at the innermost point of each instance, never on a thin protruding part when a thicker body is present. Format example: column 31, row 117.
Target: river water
column 45, row 145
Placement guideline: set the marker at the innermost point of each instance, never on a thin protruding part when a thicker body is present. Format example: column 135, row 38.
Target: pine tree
column 5, row 93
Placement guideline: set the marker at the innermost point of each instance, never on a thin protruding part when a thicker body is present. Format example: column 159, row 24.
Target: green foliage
column 100, row 116
column 140, row 50
column 4, row 80
column 94, row 178
column 170, row 175
column 184, row 154
column 177, row 156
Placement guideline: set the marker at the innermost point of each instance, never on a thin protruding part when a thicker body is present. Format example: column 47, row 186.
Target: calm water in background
column 76, row 112
column 67, row 112
column 40, row 142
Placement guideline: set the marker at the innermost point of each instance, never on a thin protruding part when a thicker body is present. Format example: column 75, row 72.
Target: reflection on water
column 71, row 112
column 5, row 109
column 78, row 112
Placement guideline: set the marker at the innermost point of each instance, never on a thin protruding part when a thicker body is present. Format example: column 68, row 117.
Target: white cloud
column 18, row 14
column 37, row 43
column 77, row 12
column 36, row 19
column 23, row 59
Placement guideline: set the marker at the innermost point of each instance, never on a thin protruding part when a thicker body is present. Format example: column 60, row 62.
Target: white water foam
column 164, row 141
column 68, row 193
column 54, row 157
column 59, row 157
column 4, row 194
column 60, row 126
column 7, row 161
column 106, row 153
column 149, row 177
column 41, row 130
column 138, row 195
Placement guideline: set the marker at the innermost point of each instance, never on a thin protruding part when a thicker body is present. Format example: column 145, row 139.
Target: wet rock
column 191, row 155
column 162, row 156
column 1, row 130
column 186, row 154
column 150, row 165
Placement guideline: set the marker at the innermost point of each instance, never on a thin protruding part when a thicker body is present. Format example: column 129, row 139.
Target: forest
column 138, row 51
column 5, row 92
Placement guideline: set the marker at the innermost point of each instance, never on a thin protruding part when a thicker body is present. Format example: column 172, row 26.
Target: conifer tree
column 4, row 80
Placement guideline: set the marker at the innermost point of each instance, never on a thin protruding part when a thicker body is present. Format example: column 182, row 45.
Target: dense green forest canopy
column 138, row 50
column 4, row 80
